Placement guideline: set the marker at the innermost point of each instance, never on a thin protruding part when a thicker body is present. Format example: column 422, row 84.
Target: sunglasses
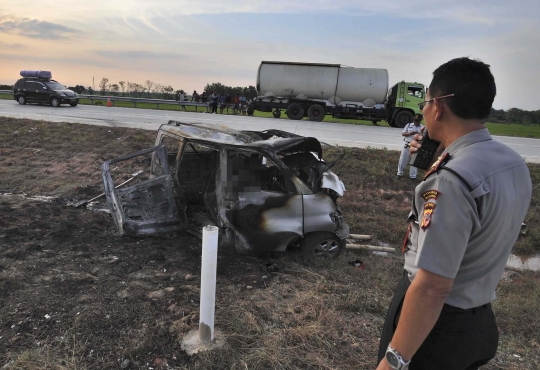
column 423, row 104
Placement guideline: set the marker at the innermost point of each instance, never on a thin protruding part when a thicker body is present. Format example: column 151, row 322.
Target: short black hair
column 472, row 83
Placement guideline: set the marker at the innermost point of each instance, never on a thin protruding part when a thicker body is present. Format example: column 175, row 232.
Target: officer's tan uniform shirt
column 467, row 234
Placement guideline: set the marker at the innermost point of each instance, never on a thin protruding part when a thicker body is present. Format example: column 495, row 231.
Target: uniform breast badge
column 429, row 208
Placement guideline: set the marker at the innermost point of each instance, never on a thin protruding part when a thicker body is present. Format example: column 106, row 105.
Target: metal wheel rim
column 55, row 102
column 21, row 100
column 316, row 113
column 326, row 248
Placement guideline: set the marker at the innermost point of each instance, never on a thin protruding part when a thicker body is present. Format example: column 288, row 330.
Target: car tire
column 55, row 102
column 295, row 112
column 316, row 113
column 321, row 245
column 402, row 118
column 21, row 99
column 276, row 113
column 73, row 104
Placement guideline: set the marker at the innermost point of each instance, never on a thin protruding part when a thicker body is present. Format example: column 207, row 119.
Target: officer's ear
column 440, row 110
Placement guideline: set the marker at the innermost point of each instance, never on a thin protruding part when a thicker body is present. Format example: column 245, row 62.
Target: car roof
column 268, row 140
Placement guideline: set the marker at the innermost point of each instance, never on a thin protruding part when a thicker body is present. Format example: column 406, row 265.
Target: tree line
column 151, row 89
column 515, row 116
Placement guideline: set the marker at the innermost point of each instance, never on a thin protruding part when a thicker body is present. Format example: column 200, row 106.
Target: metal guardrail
column 92, row 98
column 141, row 100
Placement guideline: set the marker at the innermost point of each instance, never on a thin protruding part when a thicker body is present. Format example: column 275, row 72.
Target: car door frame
column 30, row 94
column 136, row 200
column 43, row 93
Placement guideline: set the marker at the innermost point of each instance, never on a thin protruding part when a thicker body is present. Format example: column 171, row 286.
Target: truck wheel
column 21, row 99
column 276, row 113
column 316, row 113
column 402, row 118
column 295, row 112
column 321, row 245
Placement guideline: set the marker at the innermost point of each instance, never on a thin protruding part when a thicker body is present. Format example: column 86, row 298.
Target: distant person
column 222, row 103
column 181, row 98
column 203, row 97
column 408, row 133
column 195, row 97
column 236, row 103
column 243, row 106
column 228, row 101
column 213, row 102
column 248, row 105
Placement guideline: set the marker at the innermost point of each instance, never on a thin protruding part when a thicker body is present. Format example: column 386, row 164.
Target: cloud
column 139, row 54
column 35, row 28
column 10, row 46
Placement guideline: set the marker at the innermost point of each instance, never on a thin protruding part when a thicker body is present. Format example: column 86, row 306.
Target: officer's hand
column 415, row 143
column 384, row 365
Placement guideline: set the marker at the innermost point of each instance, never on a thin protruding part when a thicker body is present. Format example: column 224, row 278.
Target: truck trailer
column 314, row 90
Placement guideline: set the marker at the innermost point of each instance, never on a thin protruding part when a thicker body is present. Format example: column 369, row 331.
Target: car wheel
column 321, row 245
column 295, row 112
column 402, row 118
column 276, row 113
column 55, row 102
column 73, row 104
column 21, row 99
column 316, row 113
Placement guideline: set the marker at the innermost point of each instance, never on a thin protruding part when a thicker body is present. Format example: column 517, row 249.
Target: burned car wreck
column 265, row 191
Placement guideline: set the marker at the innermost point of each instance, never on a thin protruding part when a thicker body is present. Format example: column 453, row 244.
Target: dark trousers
column 460, row 340
column 213, row 106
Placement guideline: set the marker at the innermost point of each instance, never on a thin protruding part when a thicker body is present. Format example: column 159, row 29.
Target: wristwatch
column 395, row 360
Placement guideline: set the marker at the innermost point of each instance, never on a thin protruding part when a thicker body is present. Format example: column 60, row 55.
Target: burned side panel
column 148, row 207
column 265, row 222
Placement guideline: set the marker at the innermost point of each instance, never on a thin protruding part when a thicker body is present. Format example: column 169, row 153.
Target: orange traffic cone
column 109, row 104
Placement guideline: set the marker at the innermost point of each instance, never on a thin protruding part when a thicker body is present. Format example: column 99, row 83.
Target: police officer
column 466, row 216
column 408, row 133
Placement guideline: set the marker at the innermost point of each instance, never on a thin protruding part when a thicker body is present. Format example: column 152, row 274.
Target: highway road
column 148, row 119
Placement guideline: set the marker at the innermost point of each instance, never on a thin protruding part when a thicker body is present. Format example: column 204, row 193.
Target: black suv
column 43, row 91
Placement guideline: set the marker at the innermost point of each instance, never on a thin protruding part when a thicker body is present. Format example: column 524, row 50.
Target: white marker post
column 208, row 284
column 205, row 339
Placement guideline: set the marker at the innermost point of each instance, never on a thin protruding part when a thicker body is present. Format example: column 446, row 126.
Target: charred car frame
column 265, row 191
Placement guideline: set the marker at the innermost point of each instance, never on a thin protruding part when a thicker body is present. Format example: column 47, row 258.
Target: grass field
column 114, row 298
column 527, row 131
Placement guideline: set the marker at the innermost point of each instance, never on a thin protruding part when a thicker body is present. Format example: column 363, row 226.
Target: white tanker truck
column 314, row 90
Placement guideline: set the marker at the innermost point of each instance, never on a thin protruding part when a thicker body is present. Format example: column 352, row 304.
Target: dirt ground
column 75, row 295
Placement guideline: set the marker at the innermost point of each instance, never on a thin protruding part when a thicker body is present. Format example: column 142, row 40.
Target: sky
column 187, row 44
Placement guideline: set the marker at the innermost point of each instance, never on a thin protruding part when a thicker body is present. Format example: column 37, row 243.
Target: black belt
column 448, row 308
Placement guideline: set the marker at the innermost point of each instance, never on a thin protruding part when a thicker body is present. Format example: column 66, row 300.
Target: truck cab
column 402, row 102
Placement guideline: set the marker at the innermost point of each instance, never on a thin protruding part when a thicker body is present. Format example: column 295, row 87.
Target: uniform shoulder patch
column 429, row 208
column 435, row 166
column 431, row 194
